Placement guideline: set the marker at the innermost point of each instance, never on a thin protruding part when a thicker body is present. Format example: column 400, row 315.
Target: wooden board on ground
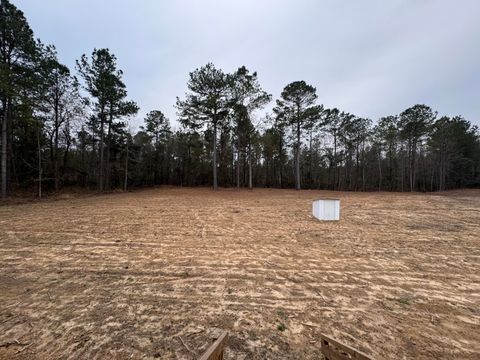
column 335, row 350
column 215, row 352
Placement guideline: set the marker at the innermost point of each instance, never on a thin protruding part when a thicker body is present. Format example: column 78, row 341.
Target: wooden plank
column 331, row 354
column 215, row 352
column 335, row 350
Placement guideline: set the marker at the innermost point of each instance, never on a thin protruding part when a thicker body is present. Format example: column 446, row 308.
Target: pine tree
column 298, row 110
column 207, row 104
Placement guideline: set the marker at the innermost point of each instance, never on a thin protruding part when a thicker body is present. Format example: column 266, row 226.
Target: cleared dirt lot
column 159, row 273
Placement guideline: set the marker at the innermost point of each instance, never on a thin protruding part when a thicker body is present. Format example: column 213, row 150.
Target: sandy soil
column 159, row 273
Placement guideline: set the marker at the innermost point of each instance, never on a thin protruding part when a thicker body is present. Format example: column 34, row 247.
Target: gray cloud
column 371, row 58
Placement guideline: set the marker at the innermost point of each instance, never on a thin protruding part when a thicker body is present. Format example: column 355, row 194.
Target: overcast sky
column 371, row 57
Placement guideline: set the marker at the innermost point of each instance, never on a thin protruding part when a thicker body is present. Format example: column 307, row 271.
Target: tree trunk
column 232, row 164
column 334, row 161
column 55, row 165
column 379, row 170
column 55, row 150
column 443, row 168
column 109, row 136
column 412, row 166
column 67, row 150
column 250, row 183
column 215, row 183
column 363, row 167
column 310, row 162
column 4, row 149
column 280, row 157
column 238, row 160
column 297, row 159
column 357, row 170
column 266, row 174
column 157, row 159
column 102, row 145
column 390, row 167
column 40, row 170
column 402, row 170
column 125, row 182
column 432, row 174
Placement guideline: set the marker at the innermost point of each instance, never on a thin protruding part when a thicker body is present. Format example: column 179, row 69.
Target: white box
column 326, row 209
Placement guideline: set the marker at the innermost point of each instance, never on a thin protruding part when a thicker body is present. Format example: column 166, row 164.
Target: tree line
column 63, row 127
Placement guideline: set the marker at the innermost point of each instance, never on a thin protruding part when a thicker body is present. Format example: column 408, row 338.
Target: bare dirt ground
column 159, row 273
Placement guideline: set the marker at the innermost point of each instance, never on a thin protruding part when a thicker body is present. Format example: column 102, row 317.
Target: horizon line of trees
column 60, row 129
